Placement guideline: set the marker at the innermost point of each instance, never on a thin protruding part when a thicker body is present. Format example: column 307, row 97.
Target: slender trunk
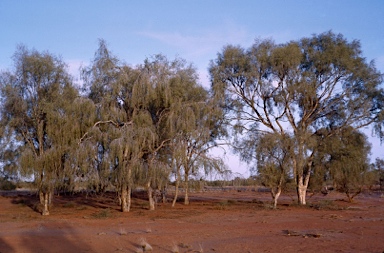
column 177, row 184
column 276, row 193
column 276, row 197
column 46, row 203
column 150, row 197
column 186, row 188
column 125, row 198
column 45, row 198
column 41, row 197
column 129, row 198
column 164, row 194
column 302, row 178
column 301, row 191
column 352, row 195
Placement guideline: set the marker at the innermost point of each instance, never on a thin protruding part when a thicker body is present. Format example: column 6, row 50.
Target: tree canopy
column 296, row 89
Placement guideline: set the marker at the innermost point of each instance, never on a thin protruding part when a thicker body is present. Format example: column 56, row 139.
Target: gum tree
column 297, row 88
column 38, row 99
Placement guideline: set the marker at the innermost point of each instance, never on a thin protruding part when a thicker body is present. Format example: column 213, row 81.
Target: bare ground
column 214, row 222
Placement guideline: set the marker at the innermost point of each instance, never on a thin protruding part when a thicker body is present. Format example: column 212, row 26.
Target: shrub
column 7, row 185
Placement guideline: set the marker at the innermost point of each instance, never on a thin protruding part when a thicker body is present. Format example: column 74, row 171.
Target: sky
column 195, row 30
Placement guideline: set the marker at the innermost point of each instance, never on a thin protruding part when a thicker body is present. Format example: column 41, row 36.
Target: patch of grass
column 200, row 250
column 185, row 245
column 222, row 205
column 22, row 202
column 103, row 214
column 232, row 201
column 256, row 201
column 69, row 204
column 325, row 205
column 123, row 231
column 175, row 248
column 81, row 208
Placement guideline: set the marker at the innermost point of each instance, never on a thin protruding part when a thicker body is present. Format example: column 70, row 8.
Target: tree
column 297, row 88
column 36, row 122
column 195, row 128
column 379, row 168
column 194, row 124
column 345, row 157
column 273, row 162
column 112, row 146
column 133, row 132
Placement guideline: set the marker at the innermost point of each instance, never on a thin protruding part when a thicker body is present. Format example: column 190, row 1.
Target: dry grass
column 145, row 245
column 175, row 248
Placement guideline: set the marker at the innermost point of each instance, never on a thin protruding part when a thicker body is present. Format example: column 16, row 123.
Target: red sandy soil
column 214, row 222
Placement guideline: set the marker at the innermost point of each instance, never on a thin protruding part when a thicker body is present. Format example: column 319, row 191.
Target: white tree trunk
column 125, row 198
column 301, row 193
column 176, row 192
column 177, row 184
column 186, row 188
column 46, row 204
column 275, row 196
column 150, row 197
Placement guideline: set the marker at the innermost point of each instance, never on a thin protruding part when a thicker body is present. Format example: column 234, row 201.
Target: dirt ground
column 229, row 221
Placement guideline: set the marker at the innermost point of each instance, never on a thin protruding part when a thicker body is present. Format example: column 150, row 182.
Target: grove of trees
column 294, row 111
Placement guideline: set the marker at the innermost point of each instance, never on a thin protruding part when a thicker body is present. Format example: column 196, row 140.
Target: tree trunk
column 45, row 198
column 177, row 183
column 275, row 196
column 125, row 198
column 301, row 193
column 46, row 203
column 164, row 194
column 302, row 182
column 186, row 188
column 150, row 197
column 41, row 197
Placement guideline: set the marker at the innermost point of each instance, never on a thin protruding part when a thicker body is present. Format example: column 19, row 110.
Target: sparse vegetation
column 143, row 126
column 146, row 247
column 103, row 214
column 7, row 185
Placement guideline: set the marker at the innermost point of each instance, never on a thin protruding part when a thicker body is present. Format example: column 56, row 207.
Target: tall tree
column 133, row 129
column 296, row 89
column 37, row 101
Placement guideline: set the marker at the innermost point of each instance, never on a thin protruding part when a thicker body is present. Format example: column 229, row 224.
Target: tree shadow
column 62, row 238
column 5, row 247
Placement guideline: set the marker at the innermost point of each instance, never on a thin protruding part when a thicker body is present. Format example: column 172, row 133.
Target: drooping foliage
column 141, row 114
column 343, row 160
column 37, row 124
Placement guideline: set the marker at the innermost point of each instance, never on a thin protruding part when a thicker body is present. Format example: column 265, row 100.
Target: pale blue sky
column 192, row 29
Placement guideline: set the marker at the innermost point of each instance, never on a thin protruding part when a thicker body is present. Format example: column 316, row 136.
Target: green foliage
column 378, row 172
column 146, row 117
column 36, row 116
column 344, row 159
column 294, row 90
